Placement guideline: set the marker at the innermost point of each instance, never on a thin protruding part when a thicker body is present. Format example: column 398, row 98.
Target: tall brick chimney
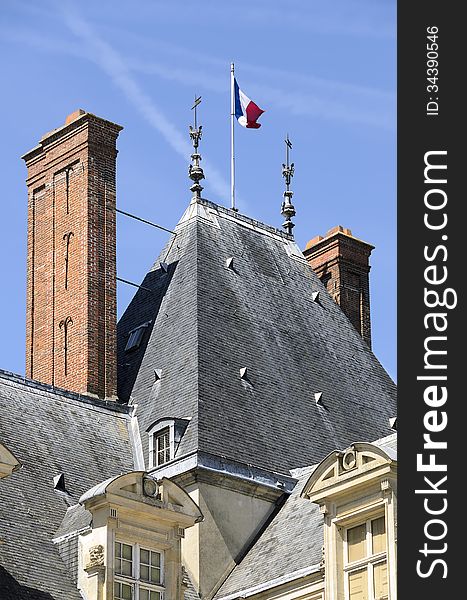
column 71, row 265
column 341, row 261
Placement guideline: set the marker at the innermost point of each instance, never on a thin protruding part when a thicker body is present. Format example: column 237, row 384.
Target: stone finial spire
column 195, row 172
column 287, row 208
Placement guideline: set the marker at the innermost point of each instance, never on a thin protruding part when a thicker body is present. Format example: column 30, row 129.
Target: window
column 164, row 439
column 135, row 336
column 366, row 561
column 138, row 573
column 161, row 447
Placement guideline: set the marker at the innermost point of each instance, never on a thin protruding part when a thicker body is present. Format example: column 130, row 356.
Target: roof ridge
column 35, row 386
column 236, row 216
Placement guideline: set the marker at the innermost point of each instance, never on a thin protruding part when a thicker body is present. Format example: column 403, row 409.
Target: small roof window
column 135, row 336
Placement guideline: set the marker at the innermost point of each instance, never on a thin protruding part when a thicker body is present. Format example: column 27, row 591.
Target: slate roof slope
column 290, row 547
column 209, row 321
column 50, row 432
column 169, row 345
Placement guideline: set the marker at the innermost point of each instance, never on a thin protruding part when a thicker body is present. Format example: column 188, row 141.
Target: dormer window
column 161, row 447
column 164, row 439
column 366, row 561
column 135, row 336
column 132, row 527
column 161, row 443
column 138, row 573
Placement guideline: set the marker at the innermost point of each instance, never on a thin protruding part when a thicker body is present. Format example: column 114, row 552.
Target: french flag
column 246, row 111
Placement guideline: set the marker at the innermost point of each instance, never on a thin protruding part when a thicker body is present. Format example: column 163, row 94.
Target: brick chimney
column 341, row 261
column 71, row 264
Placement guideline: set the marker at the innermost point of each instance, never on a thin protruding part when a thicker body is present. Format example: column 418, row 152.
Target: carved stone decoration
column 349, row 460
column 96, row 557
column 322, row 562
column 385, row 485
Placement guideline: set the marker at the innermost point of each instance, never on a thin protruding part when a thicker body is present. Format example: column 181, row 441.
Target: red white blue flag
column 246, row 111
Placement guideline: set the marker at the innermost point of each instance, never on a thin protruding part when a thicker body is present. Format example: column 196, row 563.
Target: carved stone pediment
column 360, row 462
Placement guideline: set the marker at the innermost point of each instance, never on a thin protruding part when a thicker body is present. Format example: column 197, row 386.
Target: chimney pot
column 74, row 115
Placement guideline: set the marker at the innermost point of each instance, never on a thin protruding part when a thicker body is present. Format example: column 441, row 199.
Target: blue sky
column 324, row 72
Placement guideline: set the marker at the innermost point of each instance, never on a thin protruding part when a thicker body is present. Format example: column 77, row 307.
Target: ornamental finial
column 195, row 172
column 287, row 208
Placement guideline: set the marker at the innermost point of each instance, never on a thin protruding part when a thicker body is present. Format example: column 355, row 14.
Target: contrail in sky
column 106, row 57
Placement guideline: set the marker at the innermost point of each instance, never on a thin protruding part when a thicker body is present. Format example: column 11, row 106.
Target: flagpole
column 232, row 139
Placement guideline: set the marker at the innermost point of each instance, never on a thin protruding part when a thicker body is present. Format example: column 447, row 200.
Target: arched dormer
column 132, row 548
column 356, row 490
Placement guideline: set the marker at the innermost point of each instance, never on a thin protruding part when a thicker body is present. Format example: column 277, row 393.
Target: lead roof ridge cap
column 37, row 387
column 234, row 215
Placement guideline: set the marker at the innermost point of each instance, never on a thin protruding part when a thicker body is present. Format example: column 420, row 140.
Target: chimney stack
column 71, row 257
column 341, row 261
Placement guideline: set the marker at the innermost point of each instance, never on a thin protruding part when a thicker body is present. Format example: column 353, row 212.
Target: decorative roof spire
column 287, row 208
column 195, row 172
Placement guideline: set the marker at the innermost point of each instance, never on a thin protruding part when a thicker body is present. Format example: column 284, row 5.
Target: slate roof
column 208, row 321
column 51, row 432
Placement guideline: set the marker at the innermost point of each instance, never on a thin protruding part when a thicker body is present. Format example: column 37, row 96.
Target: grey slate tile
column 210, row 321
column 50, row 432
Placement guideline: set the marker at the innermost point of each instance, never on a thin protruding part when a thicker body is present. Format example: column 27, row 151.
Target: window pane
column 122, row 591
column 127, row 551
column 358, row 585
column 162, row 446
column 145, row 594
column 126, row 568
column 155, row 575
column 123, row 559
column 380, row 577
column 356, row 542
column 378, row 532
column 150, row 566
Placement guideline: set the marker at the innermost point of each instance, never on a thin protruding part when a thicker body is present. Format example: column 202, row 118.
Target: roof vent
column 59, row 482
column 393, row 423
column 229, row 263
column 135, row 336
column 157, row 375
column 244, row 373
column 164, row 267
column 315, row 296
column 318, row 398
